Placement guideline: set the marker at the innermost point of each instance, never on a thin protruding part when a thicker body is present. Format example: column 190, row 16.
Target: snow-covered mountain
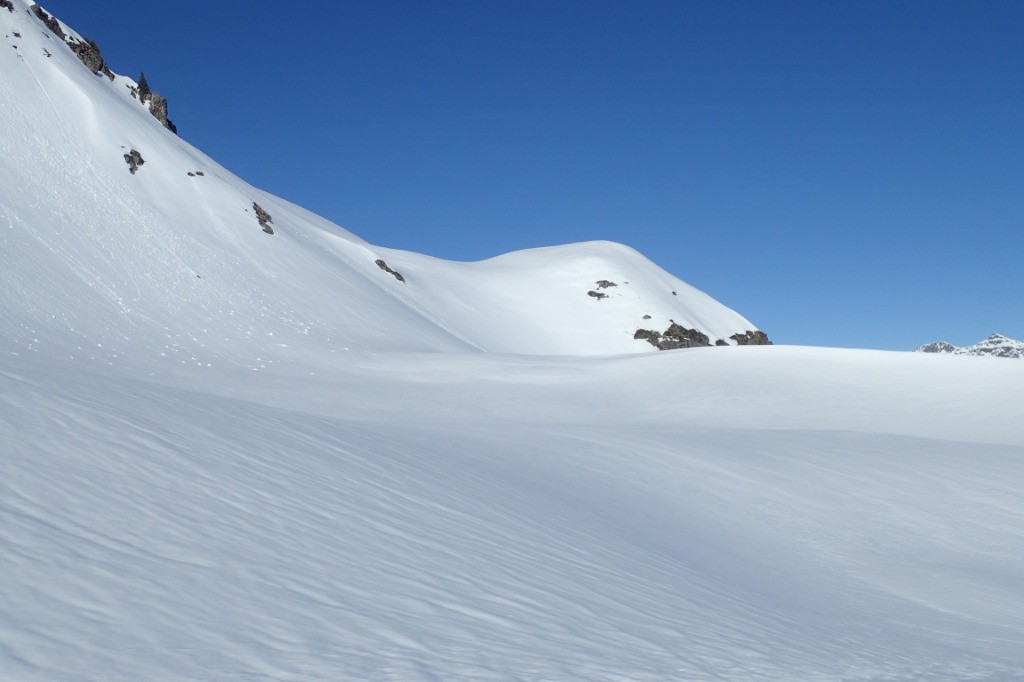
column 995, row 345
column 240, row 443
column 125, row 240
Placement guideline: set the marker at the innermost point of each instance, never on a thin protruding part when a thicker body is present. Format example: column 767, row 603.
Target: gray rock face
column 134, row 160
column 158, row 107
column 263, row 217
column 676, row 336
column 751, row 338
column 90, row 55
column 50, row 22
column 384, row 266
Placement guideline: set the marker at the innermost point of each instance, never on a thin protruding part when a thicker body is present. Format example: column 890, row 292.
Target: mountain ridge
column 996, row 345
column 141, row 230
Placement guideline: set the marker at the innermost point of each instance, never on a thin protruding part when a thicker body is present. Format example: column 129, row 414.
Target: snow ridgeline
column 124, row 240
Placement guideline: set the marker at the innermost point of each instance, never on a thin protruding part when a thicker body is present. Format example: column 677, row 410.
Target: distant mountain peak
column 996, row 345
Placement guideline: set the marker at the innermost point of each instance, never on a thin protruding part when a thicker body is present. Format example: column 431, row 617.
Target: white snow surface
column 226, row 455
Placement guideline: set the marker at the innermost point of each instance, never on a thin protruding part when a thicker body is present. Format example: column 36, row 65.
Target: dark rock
column 676, row 336
column 10, row 8
column 134, row 160
column 751, row 338
column 191, row 174
column 604, row 284
column 597, row 295
column 938, row 347
column 201, row 174
column 647, row 317
column 263, row 217
column 721, row 342
column 384, row 266
column 89, row 53
column 158, row 107
column 50, row 22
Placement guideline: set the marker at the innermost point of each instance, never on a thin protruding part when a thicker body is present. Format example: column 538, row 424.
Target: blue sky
column 841, row 173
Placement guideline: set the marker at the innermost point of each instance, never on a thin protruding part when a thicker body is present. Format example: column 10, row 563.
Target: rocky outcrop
column 751, row 338
column 158, row 107
column 134, row 160
column 605, row 284
column 6, row 4
column 597, row 294
column 86, row 50
column 50, row 22
column 263, row 217
column 89, row 54
column 676, row 336
column 384, row 266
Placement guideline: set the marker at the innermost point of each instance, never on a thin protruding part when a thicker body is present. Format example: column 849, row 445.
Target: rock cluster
column 676, row 336
column 89, row 53
column 50, row 22
column 134, row 160
column 6, row 4
column 384, row 266
column 751, row 338
column 263, row 217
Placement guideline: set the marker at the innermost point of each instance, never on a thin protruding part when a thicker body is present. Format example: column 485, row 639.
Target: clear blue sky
column 841, row 173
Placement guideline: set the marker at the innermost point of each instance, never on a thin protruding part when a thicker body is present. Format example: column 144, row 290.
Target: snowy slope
column 806, row 514
column 382, row 501
column 995, row 345
column 161, row 263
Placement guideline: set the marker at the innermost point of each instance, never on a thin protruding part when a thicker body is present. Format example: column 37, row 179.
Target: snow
column 226, row 455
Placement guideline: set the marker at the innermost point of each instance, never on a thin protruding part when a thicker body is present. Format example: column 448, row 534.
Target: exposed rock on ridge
column 89, row 53
column 996, row 345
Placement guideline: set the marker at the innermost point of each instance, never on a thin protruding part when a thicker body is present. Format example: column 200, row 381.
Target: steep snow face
column 996, row 345
column 119, row 239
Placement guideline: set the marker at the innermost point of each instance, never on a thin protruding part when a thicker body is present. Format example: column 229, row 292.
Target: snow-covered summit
column 995, row 345
column 122, row 239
